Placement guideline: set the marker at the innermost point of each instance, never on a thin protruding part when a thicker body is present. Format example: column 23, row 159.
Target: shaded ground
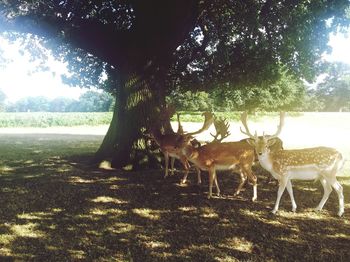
column 54, row 207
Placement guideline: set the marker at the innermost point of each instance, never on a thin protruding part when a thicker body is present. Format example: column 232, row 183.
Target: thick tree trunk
column 124, row 143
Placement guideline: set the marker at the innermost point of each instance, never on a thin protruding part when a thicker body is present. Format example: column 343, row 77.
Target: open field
column 55, row 207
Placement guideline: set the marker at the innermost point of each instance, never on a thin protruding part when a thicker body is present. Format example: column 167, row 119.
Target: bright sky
column 18, row 79
column 341, row 47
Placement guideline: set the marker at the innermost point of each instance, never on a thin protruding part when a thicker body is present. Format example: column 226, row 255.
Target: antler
column 208, row 121
column 180, row 129
column 244, row 116
column 280, row 126
column 221, row 127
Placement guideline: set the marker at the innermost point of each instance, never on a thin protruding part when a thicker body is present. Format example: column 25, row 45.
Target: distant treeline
column 91, row 101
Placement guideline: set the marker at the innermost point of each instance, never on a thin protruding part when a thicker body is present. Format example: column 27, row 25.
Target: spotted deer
column 217, row 155
column 318, row 163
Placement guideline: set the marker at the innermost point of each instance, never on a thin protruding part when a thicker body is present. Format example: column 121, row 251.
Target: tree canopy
column 150, row 47
column 223, row 40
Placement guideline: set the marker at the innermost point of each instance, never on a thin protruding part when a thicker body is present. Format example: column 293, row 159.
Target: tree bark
column 124, row 143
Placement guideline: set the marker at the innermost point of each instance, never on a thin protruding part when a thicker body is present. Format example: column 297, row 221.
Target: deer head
column 262, row 143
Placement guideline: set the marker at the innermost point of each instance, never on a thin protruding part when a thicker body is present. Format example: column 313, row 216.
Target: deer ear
column 270, row 142
column 251, row 141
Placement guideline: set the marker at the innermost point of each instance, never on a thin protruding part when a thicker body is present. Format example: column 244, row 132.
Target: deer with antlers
column 168, row 144
column 214, row 156
column 318, row 163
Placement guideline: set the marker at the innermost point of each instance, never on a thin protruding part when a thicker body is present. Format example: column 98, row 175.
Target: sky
column 18, row 79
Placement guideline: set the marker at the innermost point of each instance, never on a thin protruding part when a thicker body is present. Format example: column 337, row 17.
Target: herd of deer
column 318, row 163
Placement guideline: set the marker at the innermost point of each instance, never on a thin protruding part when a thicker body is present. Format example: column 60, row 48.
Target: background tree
column 195, row 101
column 150, row 47
column 93, row 101
column 287, row 93
column 60, row 104
column 333, row 93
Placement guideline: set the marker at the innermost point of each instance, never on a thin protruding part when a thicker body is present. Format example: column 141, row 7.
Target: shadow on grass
column 54, row 208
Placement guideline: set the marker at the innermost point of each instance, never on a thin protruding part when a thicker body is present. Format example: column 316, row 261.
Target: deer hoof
column 340, row 213
column 318, row 209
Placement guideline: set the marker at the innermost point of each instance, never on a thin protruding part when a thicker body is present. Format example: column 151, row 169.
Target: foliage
column 191, row 101
column 244, row 43
column 333, row 93
column 234, row 43
column 54, row 119
column 287, row 93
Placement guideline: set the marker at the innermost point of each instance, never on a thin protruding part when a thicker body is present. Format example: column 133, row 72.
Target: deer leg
column 291, row 195
column 199, row 179
column 211, row 180
column 166, row 160
column 327, row 189
column 252, row 178
column 186, row 166
column 172, row 161
column 339, row 189
column 242, row 182
column 216, row 184
column 282, row 186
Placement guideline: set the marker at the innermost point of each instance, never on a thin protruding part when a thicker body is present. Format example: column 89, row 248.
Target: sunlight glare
column 20, row 79
column 340, row 44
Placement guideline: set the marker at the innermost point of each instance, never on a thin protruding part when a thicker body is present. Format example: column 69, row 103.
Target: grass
column 55, row 207
column 48, row 119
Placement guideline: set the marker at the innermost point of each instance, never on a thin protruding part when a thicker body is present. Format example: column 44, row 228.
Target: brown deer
column 221, row 128
column 237, row 156
column 317, row 163
column 168, row 144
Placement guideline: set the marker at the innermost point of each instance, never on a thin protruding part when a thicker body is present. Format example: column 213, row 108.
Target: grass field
column 56, row 207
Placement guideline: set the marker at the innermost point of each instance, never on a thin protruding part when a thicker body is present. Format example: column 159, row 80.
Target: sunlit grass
column 147, row 213
column 240, row 244
column 106, row 199
column 27, row 230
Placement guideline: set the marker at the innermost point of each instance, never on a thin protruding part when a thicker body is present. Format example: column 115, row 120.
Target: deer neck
column 266, row 161
column 191, row 153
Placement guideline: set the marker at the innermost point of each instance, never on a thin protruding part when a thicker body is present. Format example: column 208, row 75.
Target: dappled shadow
column 56, row 208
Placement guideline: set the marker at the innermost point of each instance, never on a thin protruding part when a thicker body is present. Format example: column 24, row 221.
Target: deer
column 277, row 145
column 221, row 127
column 217, row 155
column 316, row 163
column 168, row 146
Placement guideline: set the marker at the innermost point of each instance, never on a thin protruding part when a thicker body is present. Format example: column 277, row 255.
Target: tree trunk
column 124, row 143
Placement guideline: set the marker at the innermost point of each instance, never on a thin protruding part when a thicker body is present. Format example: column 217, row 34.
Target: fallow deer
column 168, row 144
column 221, row 128
column 237, row 156
column 318, row 163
